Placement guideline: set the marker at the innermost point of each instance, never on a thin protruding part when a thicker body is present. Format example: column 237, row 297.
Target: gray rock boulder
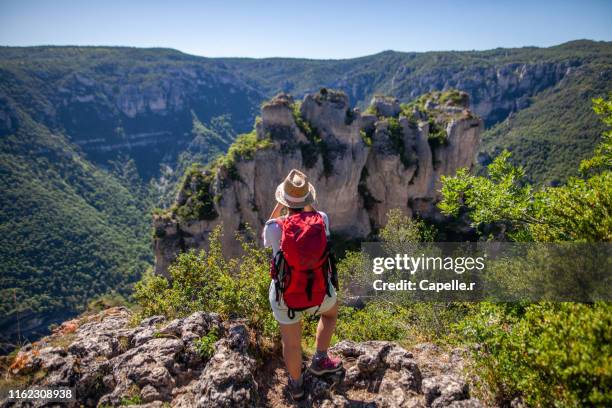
column 442, row 390
column 228, row 379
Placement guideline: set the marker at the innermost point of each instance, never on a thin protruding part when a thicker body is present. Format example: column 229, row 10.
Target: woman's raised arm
column 276, row 212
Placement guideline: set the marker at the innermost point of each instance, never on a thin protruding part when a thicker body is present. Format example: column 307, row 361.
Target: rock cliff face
column 362, row 165
column 159, row 363
column 496, row 90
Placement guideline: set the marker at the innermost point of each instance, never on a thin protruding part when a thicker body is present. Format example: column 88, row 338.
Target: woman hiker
column 303, row 276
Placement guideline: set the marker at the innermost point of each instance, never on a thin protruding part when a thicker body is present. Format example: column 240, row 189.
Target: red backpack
column 303, row 267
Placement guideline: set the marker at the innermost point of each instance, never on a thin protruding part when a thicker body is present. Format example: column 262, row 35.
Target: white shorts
column 280, row 309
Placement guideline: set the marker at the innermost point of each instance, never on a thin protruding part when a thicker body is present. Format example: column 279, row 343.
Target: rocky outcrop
column 362, row 165
column 110, row 362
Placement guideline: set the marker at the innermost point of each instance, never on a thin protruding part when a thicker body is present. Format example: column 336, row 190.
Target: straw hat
column 295, row 191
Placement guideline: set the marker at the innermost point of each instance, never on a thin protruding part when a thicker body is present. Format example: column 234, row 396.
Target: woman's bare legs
column 292, row 348
column 292, row 340
column 326, row 327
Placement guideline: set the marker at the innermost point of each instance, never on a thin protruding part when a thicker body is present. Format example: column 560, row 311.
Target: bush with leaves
column 376, row 321
column 551, row 354
column 401, row 229
column 205, row 345
column 205, row 280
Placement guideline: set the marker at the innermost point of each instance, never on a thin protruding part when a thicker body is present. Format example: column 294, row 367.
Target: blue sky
column 308, row 28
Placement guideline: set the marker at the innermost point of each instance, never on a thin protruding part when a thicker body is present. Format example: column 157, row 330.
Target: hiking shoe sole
column 297, row 395
column 325, row 370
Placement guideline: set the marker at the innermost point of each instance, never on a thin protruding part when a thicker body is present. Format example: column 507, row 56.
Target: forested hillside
column 68, row 230
column 549, row 138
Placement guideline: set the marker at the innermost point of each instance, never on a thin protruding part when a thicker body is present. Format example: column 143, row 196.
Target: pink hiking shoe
column 325, row 365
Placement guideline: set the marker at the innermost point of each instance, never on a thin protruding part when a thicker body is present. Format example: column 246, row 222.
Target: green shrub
column 243, row 148
column 579, row 211
column 401, row 319
column 197, row 182
column 307, row 129
column 436, row 117
column 407, row 110
column 197, row 186
column 453, row 97
column 371, row 110
column 366, row 135
column 205, row 345
column 133, row 400
column 401, row 229
column 147, row 294
column 602, row 159
column 437, row 134
column 133, row 397
column 377, row 321
column 352, row 272
column 551, row 354
column 205, row 280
